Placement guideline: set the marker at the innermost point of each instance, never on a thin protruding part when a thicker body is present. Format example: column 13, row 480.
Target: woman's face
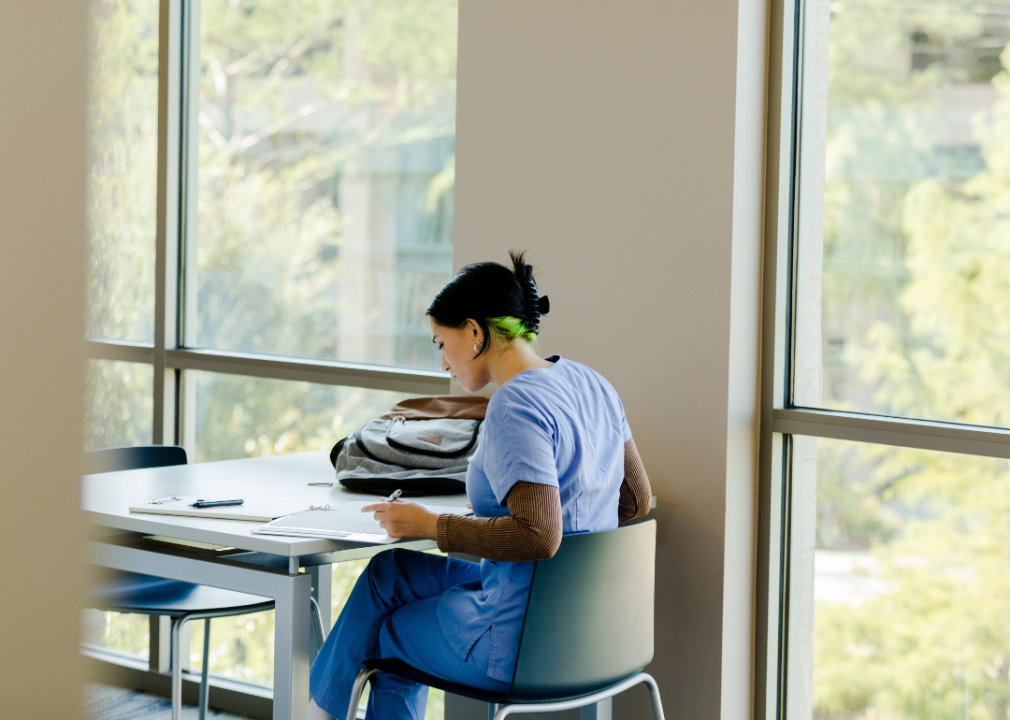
column 458, row 359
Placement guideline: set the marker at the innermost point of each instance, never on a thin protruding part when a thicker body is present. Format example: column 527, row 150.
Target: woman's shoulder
column 565, row 378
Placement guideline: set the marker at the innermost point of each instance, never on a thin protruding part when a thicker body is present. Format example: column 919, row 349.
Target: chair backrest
column 589, row 620
column 133, row 458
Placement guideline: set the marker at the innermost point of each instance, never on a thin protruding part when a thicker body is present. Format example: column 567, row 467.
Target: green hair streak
column 511, row 328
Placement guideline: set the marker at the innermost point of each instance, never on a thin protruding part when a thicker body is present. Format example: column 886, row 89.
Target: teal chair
column 588, row 632
column 128, row 592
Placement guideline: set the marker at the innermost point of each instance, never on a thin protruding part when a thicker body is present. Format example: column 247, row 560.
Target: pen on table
column 215, row 503
column 395, row 494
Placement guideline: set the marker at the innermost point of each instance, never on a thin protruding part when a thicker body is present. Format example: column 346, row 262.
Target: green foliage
column 917, row 261
column 118, row 404
column 122, row 143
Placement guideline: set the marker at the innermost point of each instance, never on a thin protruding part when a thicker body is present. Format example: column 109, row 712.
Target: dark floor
column 104, row 702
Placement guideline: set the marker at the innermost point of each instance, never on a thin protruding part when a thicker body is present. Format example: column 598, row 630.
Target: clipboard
column 255, row 510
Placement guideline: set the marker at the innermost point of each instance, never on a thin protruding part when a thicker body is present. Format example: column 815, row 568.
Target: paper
column 343, row 522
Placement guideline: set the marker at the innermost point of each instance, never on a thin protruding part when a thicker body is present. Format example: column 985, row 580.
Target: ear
column 474, row 329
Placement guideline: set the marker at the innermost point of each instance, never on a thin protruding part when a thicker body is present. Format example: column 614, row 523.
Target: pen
column 396, row 494
column 215, row 503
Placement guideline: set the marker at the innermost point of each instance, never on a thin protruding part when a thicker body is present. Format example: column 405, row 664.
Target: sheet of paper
column 340, row 521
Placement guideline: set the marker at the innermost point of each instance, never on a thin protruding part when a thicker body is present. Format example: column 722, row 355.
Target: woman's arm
column 531, row 531
column 636, row 493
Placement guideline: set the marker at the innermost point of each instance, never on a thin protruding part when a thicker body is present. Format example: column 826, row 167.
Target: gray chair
column 588, row 631
column 127, row 592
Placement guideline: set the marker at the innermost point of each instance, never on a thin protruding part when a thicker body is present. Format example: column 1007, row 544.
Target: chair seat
column 402, row 669
column 149, row 595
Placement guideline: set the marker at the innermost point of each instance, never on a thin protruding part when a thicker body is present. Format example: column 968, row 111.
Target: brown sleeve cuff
column 443, row 534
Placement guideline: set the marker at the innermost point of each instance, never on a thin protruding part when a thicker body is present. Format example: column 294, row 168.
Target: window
column 902, row 257
column 122, row 184
column 325, row 178
column 899, row 569
column 265, row 239
column 884, row 470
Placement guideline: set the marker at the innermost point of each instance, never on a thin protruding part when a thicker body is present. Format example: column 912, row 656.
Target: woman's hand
column 405, row 520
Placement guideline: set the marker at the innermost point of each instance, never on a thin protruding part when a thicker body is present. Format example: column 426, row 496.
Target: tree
column 931, row 342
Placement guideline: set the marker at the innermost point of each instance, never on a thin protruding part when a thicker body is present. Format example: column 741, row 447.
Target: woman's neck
column 515, row 359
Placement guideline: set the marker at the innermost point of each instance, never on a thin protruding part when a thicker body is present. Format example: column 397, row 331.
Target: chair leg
column 205, row 670
column 359, row 687
column 492, row 708
column 602, row 710
column 176, row 669
column 317, row 632
column 657, row 704
column 579, row 703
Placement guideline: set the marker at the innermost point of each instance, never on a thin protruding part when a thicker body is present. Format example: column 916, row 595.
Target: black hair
column 503, row 301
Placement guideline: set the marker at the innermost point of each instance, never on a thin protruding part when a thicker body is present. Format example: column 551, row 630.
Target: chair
column 128, row 592
column 588, row 631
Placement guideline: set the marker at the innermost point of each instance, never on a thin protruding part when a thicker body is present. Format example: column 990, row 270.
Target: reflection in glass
column 903, row 302
column 326, row 174
column 122, row 179
column 118, row 404
column 900, row 575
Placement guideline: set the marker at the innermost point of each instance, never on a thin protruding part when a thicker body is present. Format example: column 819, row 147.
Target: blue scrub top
column 562, row 426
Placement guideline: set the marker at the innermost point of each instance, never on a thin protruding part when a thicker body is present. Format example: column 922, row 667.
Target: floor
column 103, row 702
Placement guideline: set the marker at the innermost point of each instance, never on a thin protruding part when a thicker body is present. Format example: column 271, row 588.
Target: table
column 281, row 568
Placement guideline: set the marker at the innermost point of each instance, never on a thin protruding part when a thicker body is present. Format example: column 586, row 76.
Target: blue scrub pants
column 391, row 614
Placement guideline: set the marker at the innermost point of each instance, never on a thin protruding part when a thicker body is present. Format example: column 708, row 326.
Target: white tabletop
column 107, row 498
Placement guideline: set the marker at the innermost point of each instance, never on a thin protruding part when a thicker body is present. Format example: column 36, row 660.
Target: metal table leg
column 291, row 650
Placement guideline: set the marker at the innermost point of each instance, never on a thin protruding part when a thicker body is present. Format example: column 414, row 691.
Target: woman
column 555, row 456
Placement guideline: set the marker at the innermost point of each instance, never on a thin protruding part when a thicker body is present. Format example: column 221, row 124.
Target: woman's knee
column 386, row 567
column 384, row 563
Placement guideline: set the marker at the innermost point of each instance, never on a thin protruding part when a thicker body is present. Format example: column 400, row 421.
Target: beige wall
column 42, row 173
column 620, row 142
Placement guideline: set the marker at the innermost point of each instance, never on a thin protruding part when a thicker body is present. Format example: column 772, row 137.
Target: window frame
column 175, row 246
column 780, row 418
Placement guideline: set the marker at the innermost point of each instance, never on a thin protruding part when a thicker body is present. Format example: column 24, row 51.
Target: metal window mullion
column 781, row 181
column 118, row 351
column 899, row 432
column 189, row 113
column 170, row 29
column 421, row 382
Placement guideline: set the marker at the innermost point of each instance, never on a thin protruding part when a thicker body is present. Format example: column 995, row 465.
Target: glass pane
column 120, row 632
column 326, row 175
column 118, row 404
column 902, row 297
column 122, row 181
column 233, row 416
column 899, row 583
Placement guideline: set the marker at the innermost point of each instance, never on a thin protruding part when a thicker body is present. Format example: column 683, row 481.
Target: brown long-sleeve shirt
column 533, row 528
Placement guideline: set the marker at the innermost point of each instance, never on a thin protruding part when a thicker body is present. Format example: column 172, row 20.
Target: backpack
column 408, row 450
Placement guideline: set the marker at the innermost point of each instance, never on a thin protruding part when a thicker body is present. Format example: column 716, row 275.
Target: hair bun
column 533, row 305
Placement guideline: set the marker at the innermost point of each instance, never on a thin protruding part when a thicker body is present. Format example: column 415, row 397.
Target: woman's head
column 486, row 306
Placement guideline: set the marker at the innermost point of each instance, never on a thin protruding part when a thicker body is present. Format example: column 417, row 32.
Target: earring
column 477, row 347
